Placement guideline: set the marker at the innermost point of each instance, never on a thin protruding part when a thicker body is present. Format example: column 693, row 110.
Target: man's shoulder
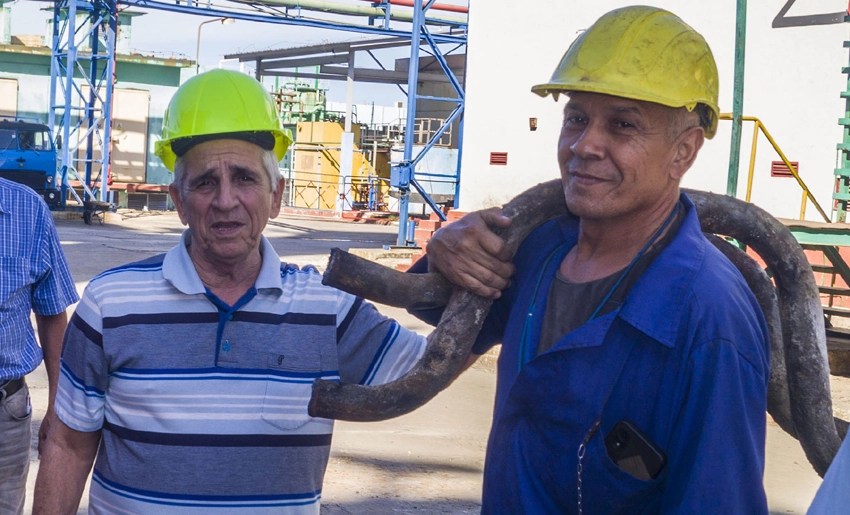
column 717, row 278
column 544, row 239
column 293, row 269
column 136, row 269
column 724, row 307
column 16, row 197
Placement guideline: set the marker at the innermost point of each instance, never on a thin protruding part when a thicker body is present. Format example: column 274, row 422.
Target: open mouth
column 226, row 227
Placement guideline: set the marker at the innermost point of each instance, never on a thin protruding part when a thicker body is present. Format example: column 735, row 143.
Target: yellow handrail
column 807, row 194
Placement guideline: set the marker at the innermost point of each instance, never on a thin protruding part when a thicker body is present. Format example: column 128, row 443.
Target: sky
column 167, row 34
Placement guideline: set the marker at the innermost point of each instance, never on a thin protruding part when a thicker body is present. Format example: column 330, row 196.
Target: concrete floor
column 429, row 461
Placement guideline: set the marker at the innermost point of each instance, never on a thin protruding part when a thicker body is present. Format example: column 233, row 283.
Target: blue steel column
column 91, row 103
column 406, row 169
column 109, row 85
column 55, row 71
column 70, row 60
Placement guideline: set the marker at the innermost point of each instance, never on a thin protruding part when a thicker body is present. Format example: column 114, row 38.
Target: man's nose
column 589, row 144
column 225, row 197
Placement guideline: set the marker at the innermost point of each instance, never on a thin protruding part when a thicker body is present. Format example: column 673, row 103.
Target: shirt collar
column 657, row 311
column 178, row 269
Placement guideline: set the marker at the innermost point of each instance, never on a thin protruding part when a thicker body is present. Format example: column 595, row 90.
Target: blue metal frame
column 80, row 118
column 404, row 173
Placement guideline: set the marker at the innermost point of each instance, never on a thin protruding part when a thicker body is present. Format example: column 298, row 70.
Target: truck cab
column 28, row 157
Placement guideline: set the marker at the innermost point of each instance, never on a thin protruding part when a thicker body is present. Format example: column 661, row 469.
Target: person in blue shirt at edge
column 188, row 375
column 633, row 371
column 34, row 278
column 833, row 495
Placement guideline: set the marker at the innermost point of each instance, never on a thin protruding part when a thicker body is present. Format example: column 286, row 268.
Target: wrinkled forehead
column 223, row 154
column 602, row 104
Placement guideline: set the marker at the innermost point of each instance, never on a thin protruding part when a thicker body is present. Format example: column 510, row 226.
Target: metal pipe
column 435, row 7
column 329, row 6
column 752, row 161
column 806, row 191
column 737, row 98
column 290, row 20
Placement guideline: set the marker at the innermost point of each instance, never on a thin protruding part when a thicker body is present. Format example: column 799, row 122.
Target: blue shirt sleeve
column 54, row 289
column 834, row 493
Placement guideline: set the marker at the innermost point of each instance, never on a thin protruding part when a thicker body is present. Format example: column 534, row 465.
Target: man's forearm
column 66, row 460
column 51, row 331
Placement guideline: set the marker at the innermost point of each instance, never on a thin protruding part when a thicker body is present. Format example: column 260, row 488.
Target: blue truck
column 28, row 156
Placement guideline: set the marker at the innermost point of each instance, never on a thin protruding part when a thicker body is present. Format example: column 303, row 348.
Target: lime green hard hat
column 220, row 104
column 642, row 53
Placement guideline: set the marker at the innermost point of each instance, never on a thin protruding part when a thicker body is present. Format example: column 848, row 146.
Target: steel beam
column 278, row 18
column 271, row 64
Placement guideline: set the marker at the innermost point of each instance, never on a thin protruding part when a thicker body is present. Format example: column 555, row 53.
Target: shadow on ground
column 397, row 506
column 418, row 466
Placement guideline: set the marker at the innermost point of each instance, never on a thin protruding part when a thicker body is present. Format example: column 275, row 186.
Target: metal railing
column 322, row 191
column 807, row 194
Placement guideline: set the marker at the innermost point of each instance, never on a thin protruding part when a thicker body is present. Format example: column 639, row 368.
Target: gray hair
column 681, row 120
column 270, row 163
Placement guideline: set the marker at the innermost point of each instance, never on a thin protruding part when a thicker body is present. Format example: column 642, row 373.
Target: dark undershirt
column 570, row 305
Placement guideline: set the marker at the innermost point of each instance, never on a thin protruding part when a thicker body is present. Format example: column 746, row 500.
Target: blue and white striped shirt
column 34, row 276
column 203, row 406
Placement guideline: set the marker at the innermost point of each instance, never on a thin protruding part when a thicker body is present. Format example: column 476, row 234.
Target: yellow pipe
column 752, row 162
column 806, row 191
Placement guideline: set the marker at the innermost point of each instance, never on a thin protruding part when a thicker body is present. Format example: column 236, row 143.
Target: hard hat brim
column 555, row 90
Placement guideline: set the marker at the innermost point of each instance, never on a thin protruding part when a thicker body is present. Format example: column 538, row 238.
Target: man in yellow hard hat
column 634, row 362
column 188, row 374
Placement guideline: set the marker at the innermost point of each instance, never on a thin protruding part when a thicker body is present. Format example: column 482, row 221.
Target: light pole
column 224, row 21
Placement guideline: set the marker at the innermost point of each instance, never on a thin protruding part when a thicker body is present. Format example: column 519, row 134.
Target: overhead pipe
column 435, row 7
column 329, row 6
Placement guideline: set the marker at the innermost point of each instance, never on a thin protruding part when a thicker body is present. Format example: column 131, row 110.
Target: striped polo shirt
column 203, row 406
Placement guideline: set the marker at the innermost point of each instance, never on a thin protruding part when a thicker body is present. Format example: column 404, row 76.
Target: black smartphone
column 634, row 452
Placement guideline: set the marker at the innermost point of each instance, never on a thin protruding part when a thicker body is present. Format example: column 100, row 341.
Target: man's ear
column 277, row 198
column 178, row 203
column 686, row 148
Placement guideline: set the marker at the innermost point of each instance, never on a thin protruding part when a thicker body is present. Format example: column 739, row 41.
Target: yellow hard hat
column 220, row 104
column 642, row 53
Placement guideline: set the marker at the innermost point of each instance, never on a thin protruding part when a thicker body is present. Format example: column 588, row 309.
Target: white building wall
column 793, row 80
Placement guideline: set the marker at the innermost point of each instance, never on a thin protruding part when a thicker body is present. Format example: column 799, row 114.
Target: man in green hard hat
column 188, row 375
column 633, row 371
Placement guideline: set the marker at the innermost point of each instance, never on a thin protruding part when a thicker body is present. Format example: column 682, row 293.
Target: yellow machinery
column 316, row 180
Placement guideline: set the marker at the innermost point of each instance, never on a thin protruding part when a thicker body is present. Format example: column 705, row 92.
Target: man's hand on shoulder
column 470, row 255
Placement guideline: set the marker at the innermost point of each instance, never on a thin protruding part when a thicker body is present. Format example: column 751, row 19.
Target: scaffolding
column 81, row 84
column 80, row 107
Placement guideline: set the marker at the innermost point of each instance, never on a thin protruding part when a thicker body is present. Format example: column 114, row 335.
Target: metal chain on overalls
column 583, row 447
column 581, row 450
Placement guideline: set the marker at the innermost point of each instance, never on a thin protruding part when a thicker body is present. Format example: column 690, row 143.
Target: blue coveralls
column 695, row 382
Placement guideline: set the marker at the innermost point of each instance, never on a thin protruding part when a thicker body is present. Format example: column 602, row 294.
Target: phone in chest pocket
column 634, row 452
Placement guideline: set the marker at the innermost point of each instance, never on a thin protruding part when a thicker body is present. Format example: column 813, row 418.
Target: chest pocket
column 293, row 360
column 606, row 488
column 15, row 273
